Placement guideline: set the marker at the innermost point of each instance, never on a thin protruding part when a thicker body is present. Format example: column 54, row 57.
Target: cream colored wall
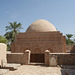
column 3, row 48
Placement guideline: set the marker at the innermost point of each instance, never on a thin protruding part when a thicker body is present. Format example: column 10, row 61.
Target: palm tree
column 69, row 36
column 68, row 39
column 13, row 30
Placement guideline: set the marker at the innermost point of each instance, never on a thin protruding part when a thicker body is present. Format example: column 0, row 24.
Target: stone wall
column 61, row 59
column 3, row 48
column 21, row 58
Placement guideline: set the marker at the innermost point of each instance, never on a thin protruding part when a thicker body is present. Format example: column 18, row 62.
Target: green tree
column 3, row 40
column 12, row 30
column 74, row 39
column 69, row 36
column 68, row 39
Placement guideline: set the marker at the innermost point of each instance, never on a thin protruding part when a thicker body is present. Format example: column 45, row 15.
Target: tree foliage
column 69, row 41
column 69, row 36
column 3, row 40
column 12, row 30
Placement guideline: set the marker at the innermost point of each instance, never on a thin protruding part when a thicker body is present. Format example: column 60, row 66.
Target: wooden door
column 37, row 58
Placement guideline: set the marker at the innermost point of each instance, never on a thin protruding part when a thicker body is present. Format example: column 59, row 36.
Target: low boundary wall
column 16, row 58
column 51, row 59
column 66, row 59
column 60, row 59
column 21, row 58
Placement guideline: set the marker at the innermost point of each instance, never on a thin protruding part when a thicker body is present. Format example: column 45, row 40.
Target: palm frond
column 14, row 30
column 11, row 25
column 8, row 28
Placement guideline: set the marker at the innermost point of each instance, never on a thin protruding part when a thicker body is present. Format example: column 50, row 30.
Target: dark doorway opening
column 37, row 58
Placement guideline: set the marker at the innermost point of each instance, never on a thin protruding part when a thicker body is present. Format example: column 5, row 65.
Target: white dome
column 41, row 26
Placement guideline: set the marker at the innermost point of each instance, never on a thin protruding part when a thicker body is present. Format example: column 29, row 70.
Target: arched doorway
column 37, row 57
column 37, row 51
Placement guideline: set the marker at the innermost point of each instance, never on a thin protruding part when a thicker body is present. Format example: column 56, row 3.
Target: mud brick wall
column 63, row 58
column 52, row 41
column 66, row 59
column 17, row 58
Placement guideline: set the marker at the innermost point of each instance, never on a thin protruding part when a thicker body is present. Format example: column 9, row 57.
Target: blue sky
column 61, row 13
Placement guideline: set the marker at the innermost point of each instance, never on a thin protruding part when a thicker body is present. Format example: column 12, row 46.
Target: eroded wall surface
column 3, row 59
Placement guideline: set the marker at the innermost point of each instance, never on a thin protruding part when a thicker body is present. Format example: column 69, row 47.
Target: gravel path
column 35, row 70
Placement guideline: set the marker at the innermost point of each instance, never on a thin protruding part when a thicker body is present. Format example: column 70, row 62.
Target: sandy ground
column 3, row 71
column 35, row 70
column 38, row 70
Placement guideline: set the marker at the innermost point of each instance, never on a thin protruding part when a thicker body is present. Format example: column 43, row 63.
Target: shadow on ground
column 68, row 70
column 10, row 68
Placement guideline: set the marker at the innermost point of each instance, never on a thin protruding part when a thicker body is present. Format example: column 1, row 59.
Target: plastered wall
column 3, row 59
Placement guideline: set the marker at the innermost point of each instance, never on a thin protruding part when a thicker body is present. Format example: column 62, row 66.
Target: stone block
column 53, row 61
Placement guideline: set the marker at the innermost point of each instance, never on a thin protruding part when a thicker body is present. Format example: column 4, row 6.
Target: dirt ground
column 40, row 70
column 35, row 70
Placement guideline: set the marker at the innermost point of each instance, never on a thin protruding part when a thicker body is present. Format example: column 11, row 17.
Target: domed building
column 40, row 36
column 41, row 26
